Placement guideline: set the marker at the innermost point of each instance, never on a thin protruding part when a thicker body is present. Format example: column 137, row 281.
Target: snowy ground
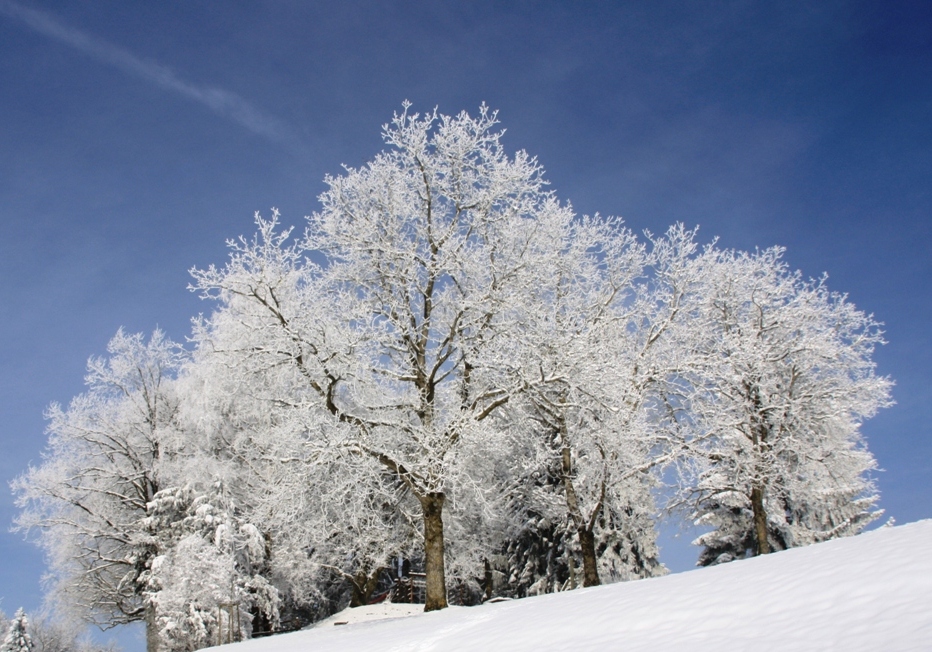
column 870, row 592
column 382, row 611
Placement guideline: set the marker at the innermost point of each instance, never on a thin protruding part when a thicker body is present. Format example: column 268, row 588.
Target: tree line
column 449, row 366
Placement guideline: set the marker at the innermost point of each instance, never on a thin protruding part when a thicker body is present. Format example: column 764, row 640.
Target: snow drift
column 869, row 592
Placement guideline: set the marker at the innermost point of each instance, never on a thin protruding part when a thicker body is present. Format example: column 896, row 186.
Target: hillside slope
column 869, row 592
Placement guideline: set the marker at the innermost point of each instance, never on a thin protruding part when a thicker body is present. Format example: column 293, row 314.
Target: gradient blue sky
column 137, row 136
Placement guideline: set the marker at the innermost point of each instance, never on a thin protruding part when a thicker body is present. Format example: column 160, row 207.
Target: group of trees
column 450, row 367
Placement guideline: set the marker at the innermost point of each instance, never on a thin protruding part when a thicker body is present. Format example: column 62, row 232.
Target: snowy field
column 869, row 592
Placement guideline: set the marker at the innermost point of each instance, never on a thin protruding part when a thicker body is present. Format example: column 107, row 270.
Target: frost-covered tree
column 425, row 250
column 350, row 527
column 597, row 358
column 785, row 380
column 536, row 553
column 17, row 637
column 333, row 518
column 87, row 499
column 211, row 561
column 238, row 457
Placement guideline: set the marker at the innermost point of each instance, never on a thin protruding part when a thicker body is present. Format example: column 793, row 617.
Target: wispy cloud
column 220, row 101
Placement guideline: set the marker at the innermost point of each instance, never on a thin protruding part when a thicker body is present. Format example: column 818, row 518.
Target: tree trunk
column 487, row 581
column 586, row 537
column 152, row 633
column 432, row 506
column 571, row 565
column 759, row 436
column 363, row 586
column 590, row 564
column 261, row 624
column 760, row 520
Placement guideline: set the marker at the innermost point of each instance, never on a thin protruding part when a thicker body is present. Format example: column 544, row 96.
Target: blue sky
column 137, row 137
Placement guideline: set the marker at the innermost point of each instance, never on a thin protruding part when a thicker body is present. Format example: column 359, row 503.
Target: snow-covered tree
column 349, row 526
column 536, row 553
column 89, row 496
column 334, row 519
column 786, row 378
column 239, row 458
column 425, row 249
column 211, row 561
column 596, row 357
column 17, row 637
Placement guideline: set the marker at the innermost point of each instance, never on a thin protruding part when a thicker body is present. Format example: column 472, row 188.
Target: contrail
column 222, row 102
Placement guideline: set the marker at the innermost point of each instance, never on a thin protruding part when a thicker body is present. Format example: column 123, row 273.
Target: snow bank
column 381, row 611
column 869, row 592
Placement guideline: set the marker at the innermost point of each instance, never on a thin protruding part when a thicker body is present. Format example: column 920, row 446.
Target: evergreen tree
column 17, row 637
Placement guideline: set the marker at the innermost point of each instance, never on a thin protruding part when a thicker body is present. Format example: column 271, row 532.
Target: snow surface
column 381, row 611
column 869, row 592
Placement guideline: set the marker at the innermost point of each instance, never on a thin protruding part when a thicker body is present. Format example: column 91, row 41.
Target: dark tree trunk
column 590, row 563
column 432, row 506
column 261, row 624
column 759, row 435
column 487, row 581
column 364, row 586
column 586, row 536
column 760, row 521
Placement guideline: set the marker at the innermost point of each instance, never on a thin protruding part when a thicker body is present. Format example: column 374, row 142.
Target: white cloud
column 220, row 101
